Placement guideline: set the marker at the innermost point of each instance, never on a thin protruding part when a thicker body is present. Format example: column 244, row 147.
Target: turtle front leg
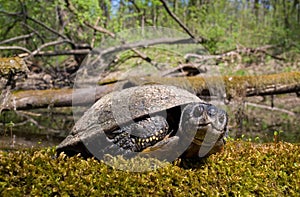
column 138, row 136
column 164, row 150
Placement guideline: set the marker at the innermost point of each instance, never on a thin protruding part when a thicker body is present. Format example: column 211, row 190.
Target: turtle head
column 204, row 126
column 201, row 115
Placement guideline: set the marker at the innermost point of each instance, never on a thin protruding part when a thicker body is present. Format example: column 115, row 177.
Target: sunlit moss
column 243, row 168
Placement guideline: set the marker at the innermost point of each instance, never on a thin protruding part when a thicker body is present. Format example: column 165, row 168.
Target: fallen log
column 31, row 99
column 234, row 86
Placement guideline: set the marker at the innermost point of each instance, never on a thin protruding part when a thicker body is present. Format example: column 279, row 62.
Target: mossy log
column 235, row 86
column 12, row 65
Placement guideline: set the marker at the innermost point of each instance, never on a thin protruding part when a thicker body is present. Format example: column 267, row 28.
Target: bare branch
column 36, row 21
column 58, row 53
column 145, row 43
column 181, row 24
column 143, row 56
column 14, row 48
column 34, row 122
column 34, row 30
column 93, row 39
column 235, row 52
column 38, row 51
column 71, row 7
column 47, row 45
column 10, row 13
column 17, row 38
column 99, row 29
column 266, row 53
column 189, row 69
column 270, row 108
column 47, row 27
column 204, row 57
column 94, row 27
column 135, row 5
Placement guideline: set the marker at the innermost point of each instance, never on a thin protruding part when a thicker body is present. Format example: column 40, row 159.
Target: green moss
column 243, row 168
column 12, row 65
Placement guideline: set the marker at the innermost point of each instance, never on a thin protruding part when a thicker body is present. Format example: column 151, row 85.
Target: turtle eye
column 212, row 111
column 198, row 110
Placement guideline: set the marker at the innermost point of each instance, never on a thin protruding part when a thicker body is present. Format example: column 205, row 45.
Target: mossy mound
column 244, row 168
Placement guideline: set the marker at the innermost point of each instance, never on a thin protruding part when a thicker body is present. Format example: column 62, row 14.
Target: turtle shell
column 121, row 108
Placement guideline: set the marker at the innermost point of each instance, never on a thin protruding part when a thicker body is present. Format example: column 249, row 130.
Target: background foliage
column 225, row 23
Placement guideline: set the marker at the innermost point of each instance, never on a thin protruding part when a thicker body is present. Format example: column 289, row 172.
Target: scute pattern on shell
column 138, row 101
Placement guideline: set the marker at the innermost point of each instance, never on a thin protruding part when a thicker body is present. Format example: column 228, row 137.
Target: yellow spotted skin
column 137, row 136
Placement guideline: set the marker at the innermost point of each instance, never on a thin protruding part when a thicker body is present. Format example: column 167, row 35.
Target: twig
column 36, row 21
column 94, row 27
column 205, row 57
column 14, row 48
column 93, row 39
column 143, row 56
column 270, row 108
column 102, row 52
column 236, row 51
column 58, row 53
column 176, row 19
column 31, row 120
column 135, row 5
column 117, row 60
column 181, row 24
column 17, row 38
column 35, row 31
column 10, row 13
column 100, row 29
column 47, row 45
column 195, row 68
column 48, row 28
column 144, row 43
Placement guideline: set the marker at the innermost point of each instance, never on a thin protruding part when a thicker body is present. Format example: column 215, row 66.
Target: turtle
column 161, row 121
